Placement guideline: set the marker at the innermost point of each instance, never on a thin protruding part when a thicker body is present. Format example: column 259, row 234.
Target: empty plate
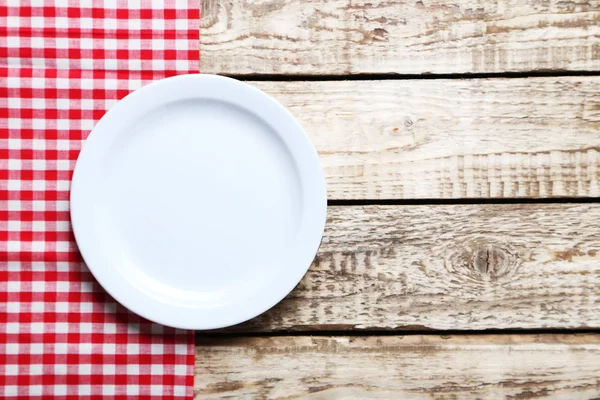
column 198, row 201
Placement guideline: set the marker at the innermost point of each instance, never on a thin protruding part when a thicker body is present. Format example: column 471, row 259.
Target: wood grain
column 409, row 367
column 410, row 37
column 482, row 138
column 463, row 267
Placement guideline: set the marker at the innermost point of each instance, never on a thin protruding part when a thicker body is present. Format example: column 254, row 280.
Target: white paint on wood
column 483, row 138
column 464, row 267
column 409, row 37
column 409, row 367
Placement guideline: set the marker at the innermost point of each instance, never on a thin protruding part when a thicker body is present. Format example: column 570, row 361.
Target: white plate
column 198, row 202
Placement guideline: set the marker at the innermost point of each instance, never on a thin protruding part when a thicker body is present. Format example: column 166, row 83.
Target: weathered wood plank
column 478, row 138
column 409, row 367
column 466, row 267
column 409, row 37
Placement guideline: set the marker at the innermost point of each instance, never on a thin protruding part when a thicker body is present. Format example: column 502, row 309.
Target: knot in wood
column 481, row 262
column 491, row 261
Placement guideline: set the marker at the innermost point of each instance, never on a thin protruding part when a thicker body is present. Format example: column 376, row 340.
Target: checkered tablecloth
column 62, row 65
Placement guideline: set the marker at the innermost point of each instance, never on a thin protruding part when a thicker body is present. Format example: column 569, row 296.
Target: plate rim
column 250, row 96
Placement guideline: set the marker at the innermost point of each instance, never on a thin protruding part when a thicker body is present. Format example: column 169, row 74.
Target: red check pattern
column 63, row 63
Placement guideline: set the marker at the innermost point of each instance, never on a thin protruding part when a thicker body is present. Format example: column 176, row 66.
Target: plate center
column 196, row 194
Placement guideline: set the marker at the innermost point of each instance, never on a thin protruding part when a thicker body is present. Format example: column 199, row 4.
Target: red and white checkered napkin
column 62, row 65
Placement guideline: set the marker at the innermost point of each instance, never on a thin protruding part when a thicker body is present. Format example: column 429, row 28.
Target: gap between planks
column 414, row 202
column 228, row 333
column 407, row 77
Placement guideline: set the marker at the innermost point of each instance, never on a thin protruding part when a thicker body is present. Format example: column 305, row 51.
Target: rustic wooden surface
column 465, row 267
column 410, row 37
column 476, row 138
column 398, row 131
column 399, row 367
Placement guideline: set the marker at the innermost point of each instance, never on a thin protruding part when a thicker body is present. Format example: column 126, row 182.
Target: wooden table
column 461, row 146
